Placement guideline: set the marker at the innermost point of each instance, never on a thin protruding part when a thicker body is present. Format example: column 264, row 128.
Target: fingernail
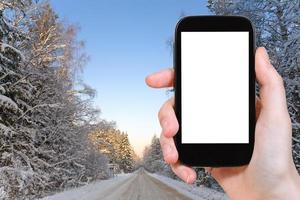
column 188, row 179
column 185, row 176
column 266, row 57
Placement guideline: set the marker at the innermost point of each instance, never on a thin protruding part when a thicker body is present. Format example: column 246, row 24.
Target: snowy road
column 141, row 186
column 136, row 186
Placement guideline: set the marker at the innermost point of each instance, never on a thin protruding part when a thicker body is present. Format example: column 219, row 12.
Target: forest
column 50, row 132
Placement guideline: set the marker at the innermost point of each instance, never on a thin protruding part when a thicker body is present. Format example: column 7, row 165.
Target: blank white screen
column 214, row 86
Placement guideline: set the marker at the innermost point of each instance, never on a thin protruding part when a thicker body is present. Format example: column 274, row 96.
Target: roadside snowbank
column 192, row 191
column 89, row 191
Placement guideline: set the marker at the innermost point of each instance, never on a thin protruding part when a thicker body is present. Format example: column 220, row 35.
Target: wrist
column 295, row 184
column 289, row 188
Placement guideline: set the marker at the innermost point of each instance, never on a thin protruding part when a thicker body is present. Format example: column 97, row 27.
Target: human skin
column 271, row 173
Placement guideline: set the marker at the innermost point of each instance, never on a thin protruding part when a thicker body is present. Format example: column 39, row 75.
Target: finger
column 272, row 93
column 167, row 119
column 257, row 106
column 185, row 173
column 169, row 150
column 161, row 79
column 273, row 120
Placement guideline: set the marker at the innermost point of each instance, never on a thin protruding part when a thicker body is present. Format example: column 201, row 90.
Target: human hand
column 271, row 173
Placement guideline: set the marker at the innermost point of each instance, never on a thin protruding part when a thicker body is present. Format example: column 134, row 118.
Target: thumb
column 273, row 129
column 272, row 93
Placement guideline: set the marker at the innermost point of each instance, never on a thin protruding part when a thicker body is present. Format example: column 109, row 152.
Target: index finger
column 161, row 79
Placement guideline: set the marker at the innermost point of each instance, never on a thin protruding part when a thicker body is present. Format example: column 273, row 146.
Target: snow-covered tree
column 153, row 159
column 115, row 145
column 17, row 175
column 45, row 118
column 126, row 154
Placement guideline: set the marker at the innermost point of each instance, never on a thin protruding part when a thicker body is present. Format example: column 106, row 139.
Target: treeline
column 46, row 112
column 115, row 145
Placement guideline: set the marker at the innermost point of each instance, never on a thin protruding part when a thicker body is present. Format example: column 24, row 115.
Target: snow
column 4, row 46
column 6, row 130
column 192, row 191
column 4, row 100
column 89, row 191
column 2, row 193
column 5, row 59
column 2, row 90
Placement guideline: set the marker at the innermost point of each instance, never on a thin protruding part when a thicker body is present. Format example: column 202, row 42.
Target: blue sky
column 126, row 40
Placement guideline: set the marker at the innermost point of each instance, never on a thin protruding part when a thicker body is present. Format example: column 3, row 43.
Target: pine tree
column 153, row 159
column 126, row 154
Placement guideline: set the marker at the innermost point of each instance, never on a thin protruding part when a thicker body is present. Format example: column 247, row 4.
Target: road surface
column 140, row 186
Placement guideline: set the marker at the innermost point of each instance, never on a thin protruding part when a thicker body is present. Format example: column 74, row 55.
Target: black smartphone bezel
column 216, row 154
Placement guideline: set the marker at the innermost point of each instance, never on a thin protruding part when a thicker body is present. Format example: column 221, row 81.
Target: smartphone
column 214, row 90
